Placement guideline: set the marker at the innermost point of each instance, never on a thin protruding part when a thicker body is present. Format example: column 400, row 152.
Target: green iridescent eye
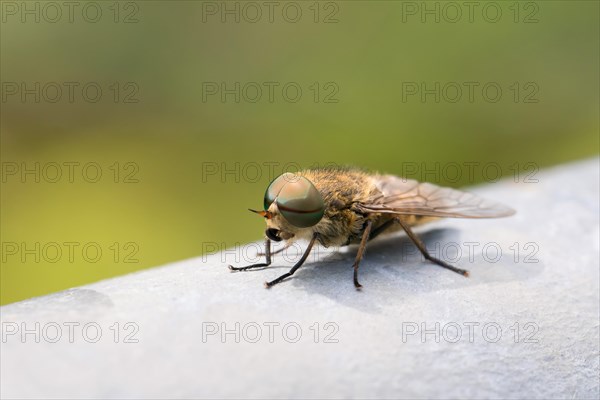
column 300, row 203
column 275, row 187
column 298, row 200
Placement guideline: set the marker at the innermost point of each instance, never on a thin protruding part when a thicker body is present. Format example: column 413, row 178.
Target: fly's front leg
column 260, row 265
column 295, row 267
column 361, row 252
column 421, row 246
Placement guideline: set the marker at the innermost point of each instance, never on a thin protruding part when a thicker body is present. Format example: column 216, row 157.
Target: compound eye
column 300, row 203
column 275, row 187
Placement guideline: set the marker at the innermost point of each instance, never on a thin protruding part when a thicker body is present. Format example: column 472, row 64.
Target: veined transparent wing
column 410, row 197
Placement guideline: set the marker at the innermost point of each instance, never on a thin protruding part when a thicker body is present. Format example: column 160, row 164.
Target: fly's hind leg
column 424, row 251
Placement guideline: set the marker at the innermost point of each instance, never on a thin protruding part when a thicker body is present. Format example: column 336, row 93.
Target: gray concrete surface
column 525, row 325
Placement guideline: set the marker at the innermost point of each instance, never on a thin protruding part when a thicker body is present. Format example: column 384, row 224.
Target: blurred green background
column 153, row 134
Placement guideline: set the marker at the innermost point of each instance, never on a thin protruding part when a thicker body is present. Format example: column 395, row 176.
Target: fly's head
column 292, row 207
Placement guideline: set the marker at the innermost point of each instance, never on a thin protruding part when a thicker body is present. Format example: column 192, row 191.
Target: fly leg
column 361, row 252
column 381, row 228
column 296, row 266
column 425, row 253
column 260, row 265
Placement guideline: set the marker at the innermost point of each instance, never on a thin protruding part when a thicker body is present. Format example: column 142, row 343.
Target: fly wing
column 395, row 195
